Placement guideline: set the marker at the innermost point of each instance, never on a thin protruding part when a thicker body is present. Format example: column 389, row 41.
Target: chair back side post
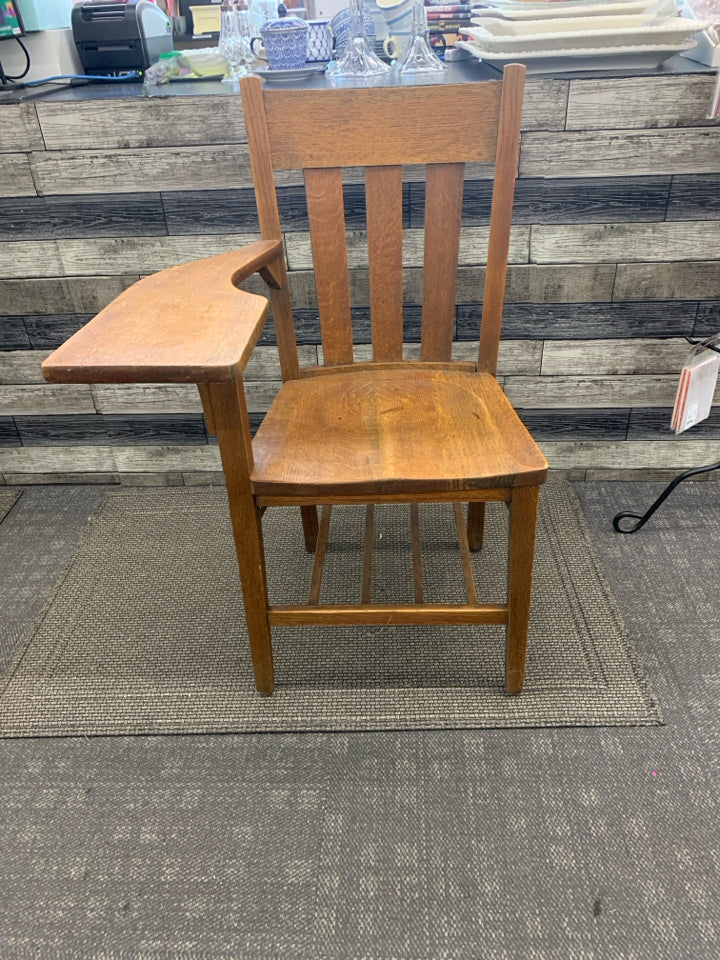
column 382, row 130
column 269, row 219
column 506, row 165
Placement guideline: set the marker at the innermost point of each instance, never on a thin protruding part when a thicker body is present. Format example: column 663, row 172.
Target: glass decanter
column 359, row 60
column 234, row 43
column 420, row 59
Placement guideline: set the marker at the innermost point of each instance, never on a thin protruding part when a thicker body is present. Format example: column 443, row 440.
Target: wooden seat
column 381, row 431
column 392, row 432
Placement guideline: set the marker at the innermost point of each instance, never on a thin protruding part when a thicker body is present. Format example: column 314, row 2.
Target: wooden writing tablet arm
column 187, row 324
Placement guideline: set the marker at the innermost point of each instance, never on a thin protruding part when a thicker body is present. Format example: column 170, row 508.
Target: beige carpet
column 145, row 633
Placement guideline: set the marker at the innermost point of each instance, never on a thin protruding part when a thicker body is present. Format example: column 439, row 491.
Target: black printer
column 116, row 37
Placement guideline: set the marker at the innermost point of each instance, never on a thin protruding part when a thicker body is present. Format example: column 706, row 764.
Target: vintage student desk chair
column 384, row 431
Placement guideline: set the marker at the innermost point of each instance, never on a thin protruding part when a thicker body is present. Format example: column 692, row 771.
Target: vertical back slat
column 443, row 213
column 383, row 191
column 326, row 213
column 506, row 162
column 269, row 218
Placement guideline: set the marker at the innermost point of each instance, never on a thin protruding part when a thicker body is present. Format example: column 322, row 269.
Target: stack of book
column 445, row 20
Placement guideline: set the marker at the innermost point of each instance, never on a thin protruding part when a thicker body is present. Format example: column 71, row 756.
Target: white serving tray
column 572, row 60
column 603, row 33
column 551, row 11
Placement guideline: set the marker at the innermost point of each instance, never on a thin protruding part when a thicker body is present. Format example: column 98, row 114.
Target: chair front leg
column 233, row 430
column 523, row 521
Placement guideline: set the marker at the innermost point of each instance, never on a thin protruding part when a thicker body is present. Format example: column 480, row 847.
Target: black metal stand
column 642, row 518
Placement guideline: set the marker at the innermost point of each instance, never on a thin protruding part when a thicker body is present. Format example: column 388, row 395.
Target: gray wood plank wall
column 615, row 258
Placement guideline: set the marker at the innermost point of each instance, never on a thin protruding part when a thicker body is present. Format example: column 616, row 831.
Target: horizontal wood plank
column 17, row 179
column 654, row 424
column 628, row 455
column 671, row 281
column 171, row 398
column 70, row 295
column 9, row 436
column 96, row 429
column 625, row 242
column 133, row 122
column 631, row 153
column 384, row 614
column 153, row 459
column 630, row 391
column 653, row 101
column 19, row 128
column 21, row 366
column 38, row 218
column 48, row 399
column 586, row 321
column 610, row 358
column 57, row 460
column 694, row 198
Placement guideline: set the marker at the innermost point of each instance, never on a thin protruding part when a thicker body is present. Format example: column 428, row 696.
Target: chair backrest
column 383, row 129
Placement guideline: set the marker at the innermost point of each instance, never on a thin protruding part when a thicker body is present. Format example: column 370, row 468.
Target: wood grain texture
column 9, row 434
column 17, row 179
column 21, row 366
column 14, row 334
column 629, row 391
column 443, row 213
column 613, row 358
column 565, row 423
column 473, row 247
column 465, row 559
column 19, row 128
column 581, row 321
column 189, row 324
column 670, row 281
column 57, row 460
column 654, row 424
column 625, row 242
column 171, row 397
column 516, row 356
column 320, row 551
column 327, row 232
column 385, row 255
column 694, row 198
column 523, row 518
column 506, row 165
column 631, row 153
column 631, row 454
column 129, row 123
column 38, row 218
column 654, row 101
column 385, row 615
column 392, row 433
column 95, row 429
column 69, row 295
column 294, row 118
column 33, row 399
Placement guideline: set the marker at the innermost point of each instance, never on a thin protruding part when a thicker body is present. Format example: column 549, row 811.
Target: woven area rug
column 7, row 499
column 145, row 630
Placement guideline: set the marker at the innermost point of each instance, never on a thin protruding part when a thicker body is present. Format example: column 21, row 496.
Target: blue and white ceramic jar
column 285, row 40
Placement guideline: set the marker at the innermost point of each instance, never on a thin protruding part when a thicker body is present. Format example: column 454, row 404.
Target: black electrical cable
column 27, row 63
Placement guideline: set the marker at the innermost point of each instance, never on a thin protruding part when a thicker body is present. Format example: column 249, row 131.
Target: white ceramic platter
column 601, row 35
column 571, row 60
column 551, row 11
column 290, row 76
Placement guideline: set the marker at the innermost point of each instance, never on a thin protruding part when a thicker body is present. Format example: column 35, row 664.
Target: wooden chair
column 349, row 432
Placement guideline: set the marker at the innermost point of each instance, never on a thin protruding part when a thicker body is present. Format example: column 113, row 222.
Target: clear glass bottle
column 358, row 61
column 234, row 43
column 419, row 59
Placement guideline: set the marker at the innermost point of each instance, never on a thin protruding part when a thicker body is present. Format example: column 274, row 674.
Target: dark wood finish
column 112, row 215
column 309, row 517
column 369, row 542
column 320, row 551
column 188, row 324
column 416, row 546
column 508, row 149
column 384, row 227
column 381, row 127
column 475, row 525
column 392, row 432
column 443, row 211
column 694, row 198
column 329, row 247
column 233, row 430
column 386, row 615
column 523, row 518
column 9, row 436
column 94, row 429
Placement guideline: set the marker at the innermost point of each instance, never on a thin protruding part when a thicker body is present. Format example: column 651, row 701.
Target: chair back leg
column 523, row 521
column 475, row 524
